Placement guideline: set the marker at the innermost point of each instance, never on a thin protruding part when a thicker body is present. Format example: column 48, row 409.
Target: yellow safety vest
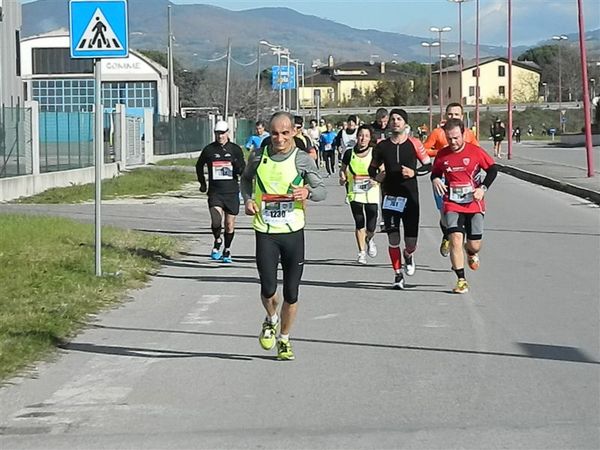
column 357, row 174
column 273, row 185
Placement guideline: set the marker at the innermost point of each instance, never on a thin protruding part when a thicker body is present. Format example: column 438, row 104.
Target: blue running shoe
column 227, row 257
column 215, row 255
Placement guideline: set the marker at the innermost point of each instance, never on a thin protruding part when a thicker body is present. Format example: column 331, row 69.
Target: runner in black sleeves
column 225, row 162
column 399, row 155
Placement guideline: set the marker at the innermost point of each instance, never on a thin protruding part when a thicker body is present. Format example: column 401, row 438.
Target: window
column 18, row 51
column 58, row 61
column 471, row 91
column 474, row 72
column 501, row 91
column 57, row 95
column 501, row 71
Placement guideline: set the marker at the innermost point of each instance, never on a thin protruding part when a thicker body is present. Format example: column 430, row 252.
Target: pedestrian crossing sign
column 98, row 29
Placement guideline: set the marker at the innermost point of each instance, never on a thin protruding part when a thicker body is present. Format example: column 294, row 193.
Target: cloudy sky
column 533, row 20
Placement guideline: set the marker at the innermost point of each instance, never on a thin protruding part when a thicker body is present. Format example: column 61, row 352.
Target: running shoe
column 267, row 337
column 445, row 247
column 362, row 258
column 462, row 287
column 410, row 266
column 371, row 248
column 398, row 281
column 473, row 261
column 227, row 257
column 215, row 255
column 284, row 351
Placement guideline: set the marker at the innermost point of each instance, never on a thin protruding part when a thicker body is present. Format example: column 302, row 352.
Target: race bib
column 394, row 203
column 222, row 170
column 461, row 193
column 277, row 209
column 327, row 147
column 361, row 184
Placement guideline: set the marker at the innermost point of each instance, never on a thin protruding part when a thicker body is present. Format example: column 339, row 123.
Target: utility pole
column 226, row 113
column 171, row 84
column 257, row 81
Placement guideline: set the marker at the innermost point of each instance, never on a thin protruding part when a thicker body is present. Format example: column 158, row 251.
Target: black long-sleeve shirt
column 225, row 164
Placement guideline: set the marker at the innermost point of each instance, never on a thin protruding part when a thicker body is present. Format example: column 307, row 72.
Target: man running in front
column 434, row 143
column 464, row 206
column 278, row 179
column 399, row 155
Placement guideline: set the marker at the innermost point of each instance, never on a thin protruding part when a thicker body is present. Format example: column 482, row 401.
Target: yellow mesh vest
column 278, row 213
column 357, row 172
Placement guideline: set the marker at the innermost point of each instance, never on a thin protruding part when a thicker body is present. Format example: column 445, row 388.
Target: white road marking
column 199, row 315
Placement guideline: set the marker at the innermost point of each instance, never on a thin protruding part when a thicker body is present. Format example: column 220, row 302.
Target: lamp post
column 509, row 103
column 460, row 47
column 429, row 45
column 545, row 91
column 477, row 70
column 593, row 81
column 560, row 38
column 439, row 31
column 277, row 50
column 586, row 98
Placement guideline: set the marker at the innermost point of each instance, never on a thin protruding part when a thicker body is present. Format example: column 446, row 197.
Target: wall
column 10, row 83
column 345, row 88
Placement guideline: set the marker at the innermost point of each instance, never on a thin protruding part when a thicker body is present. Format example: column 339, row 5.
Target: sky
column 533, row 20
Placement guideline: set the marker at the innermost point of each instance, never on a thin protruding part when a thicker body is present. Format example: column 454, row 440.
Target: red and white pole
column 586, row 93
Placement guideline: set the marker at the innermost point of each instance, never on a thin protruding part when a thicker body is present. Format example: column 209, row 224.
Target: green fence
column 244, row 129
column 15, row 141
column 186, row 135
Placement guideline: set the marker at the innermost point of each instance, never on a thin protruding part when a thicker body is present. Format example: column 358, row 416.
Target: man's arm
column 239, row 163
column 313, row 181
column 249, row 173
column 200, row 170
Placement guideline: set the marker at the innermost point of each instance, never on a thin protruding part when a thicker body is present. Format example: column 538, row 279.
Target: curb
column 551, row 183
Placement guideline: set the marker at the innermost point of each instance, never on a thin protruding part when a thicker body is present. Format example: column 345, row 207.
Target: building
column 340, row 83
column 493, row 81
column 10, row 67
column 62, row 84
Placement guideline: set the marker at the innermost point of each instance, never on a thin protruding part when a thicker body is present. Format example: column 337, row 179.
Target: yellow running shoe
column 445, row 247
column 284, row 351
column 462, row 287
column 267, row 337
column 473, row 261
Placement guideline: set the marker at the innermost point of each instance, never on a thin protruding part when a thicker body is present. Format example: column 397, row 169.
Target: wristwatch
column 483, row 187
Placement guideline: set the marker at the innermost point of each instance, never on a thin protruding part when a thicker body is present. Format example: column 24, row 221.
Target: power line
column 242, row 64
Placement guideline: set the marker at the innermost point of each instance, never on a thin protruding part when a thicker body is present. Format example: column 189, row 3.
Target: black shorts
column 409, row 218
column 229, row 202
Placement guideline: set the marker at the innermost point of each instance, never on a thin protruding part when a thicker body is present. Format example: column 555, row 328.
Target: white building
column 10, row 29
column 62, row 84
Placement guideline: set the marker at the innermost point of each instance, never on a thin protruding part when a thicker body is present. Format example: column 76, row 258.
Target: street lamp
column 545, row 91
column 593, row 81
column 560, row 38
column 447, row 58
column 439, row 31
column 279, row 51
column 460, row 47
column 429, row 45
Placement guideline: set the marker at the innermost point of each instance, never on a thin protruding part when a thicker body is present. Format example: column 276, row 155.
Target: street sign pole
column 99, row 149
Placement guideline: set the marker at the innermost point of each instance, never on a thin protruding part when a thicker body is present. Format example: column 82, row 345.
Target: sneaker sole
column 286, row 358
column 267, row 348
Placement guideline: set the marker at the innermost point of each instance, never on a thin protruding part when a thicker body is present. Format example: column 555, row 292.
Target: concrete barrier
column 578, row 140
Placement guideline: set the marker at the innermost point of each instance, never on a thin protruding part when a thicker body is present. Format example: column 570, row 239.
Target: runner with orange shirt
column 434, row 143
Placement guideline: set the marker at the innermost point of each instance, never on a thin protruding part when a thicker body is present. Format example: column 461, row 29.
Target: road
column 512, row 364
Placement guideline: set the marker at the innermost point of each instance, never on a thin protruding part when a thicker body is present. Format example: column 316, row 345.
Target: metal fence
column 15, row 141
column 186, row 135
column 244, row 129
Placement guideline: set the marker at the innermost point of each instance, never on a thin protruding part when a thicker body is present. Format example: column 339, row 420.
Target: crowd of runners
column 377, row 165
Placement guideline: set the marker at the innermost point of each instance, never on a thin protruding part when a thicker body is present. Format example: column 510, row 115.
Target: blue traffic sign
column 98, row 29
column 280, row 79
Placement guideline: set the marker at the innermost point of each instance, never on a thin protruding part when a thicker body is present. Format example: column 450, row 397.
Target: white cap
column 222, row 126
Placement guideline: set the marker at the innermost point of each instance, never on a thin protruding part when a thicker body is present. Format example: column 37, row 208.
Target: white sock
column 284, row 337
column 273, row 319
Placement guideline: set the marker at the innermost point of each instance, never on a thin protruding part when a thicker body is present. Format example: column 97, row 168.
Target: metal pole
column 559, row 79
column 430, row 93
column 171, row 83
column 441, row 90
column 99, row 149
column 289, row 84
column 257, row 80
column 460, row 53
column 226, row 113
column 297, row 64
column 510, row 115
column 477, row 72
column 586, row 93
column 279, row 79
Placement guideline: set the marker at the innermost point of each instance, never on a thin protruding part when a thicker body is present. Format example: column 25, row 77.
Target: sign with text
column 281, row 79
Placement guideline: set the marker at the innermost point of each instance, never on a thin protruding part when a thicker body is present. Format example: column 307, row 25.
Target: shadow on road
column 533, row 351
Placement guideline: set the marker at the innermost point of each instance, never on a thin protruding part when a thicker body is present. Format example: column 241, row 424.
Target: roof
column 472, row 63
column 352, row 71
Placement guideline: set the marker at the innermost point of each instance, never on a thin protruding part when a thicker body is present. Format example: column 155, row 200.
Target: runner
column 434, row 143
column 259, row 135
column 464, row 206
column 380, row 124
column 225, row 162
column 363, row 193
column 399, row 155
column 326, row 148
column 313, row 133
column 275, row 185
column 346, row 139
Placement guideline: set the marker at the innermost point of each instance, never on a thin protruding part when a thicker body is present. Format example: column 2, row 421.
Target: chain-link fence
column 187, row 135
column 15, row 141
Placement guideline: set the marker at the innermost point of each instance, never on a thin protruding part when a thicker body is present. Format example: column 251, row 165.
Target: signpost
column 284, row 77
column 98, row 29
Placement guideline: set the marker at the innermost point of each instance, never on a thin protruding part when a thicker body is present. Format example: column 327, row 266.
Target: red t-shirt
column 460, row 170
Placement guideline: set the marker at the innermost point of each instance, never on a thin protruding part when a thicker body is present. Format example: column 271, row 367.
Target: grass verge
column 48, row 289
column 138, row 182
column 186, row 162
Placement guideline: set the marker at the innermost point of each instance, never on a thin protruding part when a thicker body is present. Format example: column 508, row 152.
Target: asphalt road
column 512, row 364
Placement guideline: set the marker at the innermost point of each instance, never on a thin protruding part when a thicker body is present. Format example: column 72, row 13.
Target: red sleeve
column 420, row 150
column 437, row 169
column 486, row 161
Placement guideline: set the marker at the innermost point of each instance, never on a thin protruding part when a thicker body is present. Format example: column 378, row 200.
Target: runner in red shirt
column 463, row 204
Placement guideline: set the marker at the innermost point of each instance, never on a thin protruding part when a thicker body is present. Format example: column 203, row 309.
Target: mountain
column 201, row 33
